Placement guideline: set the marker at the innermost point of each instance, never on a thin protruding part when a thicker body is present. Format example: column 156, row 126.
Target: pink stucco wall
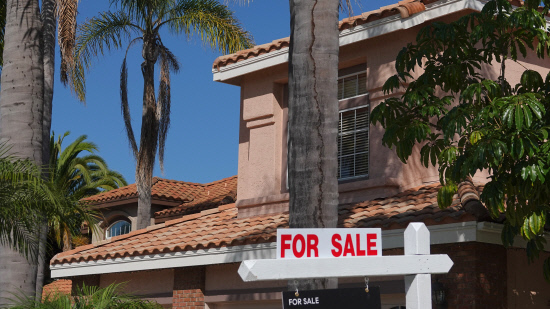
column 262, row 144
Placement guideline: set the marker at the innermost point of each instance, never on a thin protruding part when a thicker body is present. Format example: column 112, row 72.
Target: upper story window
column 353, row 143
column 120, row 227
column 352, row 85
column 353, row 125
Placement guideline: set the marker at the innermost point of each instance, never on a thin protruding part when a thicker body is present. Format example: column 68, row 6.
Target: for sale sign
column 328, row 243
column 351, row 298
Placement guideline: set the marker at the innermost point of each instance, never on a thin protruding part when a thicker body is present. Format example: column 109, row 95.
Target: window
column 353, row 143
column 353, row 125
column 352, row 85
column 120, row 227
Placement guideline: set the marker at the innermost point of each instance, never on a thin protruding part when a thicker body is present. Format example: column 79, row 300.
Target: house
column 189, row 257
column 169, row 199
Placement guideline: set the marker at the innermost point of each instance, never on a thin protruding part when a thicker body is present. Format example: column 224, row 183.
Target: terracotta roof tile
column 194, row 196
column 404, row 8
column 220, row 227
column 61, row 286
column 214, row 194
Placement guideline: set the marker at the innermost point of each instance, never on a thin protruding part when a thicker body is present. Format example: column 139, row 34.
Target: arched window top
column 119, row 227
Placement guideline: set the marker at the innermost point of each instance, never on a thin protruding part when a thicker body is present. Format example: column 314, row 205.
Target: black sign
column 354, row 298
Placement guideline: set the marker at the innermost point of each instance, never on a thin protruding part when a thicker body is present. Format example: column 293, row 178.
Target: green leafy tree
column 466, row 116
column 77, row 176
column 87, row 297
column 142, row 21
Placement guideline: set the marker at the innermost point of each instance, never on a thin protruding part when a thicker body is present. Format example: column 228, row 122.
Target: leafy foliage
column 460, row 107
column 87, row 297
column 26, row 198
column 76, row 177
column 18, row 201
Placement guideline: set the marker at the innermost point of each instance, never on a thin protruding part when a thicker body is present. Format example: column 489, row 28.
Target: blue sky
column 202, row 144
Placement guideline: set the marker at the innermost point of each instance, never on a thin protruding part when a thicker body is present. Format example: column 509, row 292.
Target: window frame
column 367, row 129
column 108, row 229
column 343, row 77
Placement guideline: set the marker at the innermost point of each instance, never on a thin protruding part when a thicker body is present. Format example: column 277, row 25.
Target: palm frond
column 21, row 203
column 19, row 235
column 95, row 37
column 109, row 297
column 212, row 21
column 125, row 108
column 140, row 11
column 66, row 35
column 74, row 176
column 168, row 62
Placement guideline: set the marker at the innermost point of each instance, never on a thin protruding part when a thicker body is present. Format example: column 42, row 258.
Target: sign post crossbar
column 416, row 265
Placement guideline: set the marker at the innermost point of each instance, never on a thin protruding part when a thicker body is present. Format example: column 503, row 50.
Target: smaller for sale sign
column 328, row 243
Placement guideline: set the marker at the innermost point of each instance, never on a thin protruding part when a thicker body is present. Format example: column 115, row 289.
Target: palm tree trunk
column 41, row 259
column 21, row 111
column 48, row 32
column 148, row 139
column 313, row 118
column 67, row 240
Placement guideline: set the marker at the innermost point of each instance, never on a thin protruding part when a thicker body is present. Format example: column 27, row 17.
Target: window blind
column 353, row 143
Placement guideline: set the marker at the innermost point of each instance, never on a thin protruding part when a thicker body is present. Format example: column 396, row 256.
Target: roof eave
column 134, row 199
column 231, row 73
column 460, row 232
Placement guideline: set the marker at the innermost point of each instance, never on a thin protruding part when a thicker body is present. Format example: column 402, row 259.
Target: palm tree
column 25, row 199
column 313, row 117
column 142, row 21
column 21, row 107
column 77, row 177
column 28, row 54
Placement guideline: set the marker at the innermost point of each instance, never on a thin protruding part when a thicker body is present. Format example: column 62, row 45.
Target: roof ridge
column 203, row 213
column 220, row 180
column 107, row 192
column 177, row 181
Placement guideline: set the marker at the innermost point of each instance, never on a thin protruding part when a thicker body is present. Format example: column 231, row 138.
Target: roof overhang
column 230, row 73
column 471, row 231
column 130, row 200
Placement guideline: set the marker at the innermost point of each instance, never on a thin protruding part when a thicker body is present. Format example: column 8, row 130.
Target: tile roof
column 404, row 8
column 215, row 193
column 166, row 189
column 61, row 286
column 220, row 226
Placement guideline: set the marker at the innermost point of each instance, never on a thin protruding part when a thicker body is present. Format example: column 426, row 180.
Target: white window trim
column 111, row 225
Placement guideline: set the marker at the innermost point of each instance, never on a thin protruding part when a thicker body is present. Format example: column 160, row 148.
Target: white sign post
column 416, row 265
